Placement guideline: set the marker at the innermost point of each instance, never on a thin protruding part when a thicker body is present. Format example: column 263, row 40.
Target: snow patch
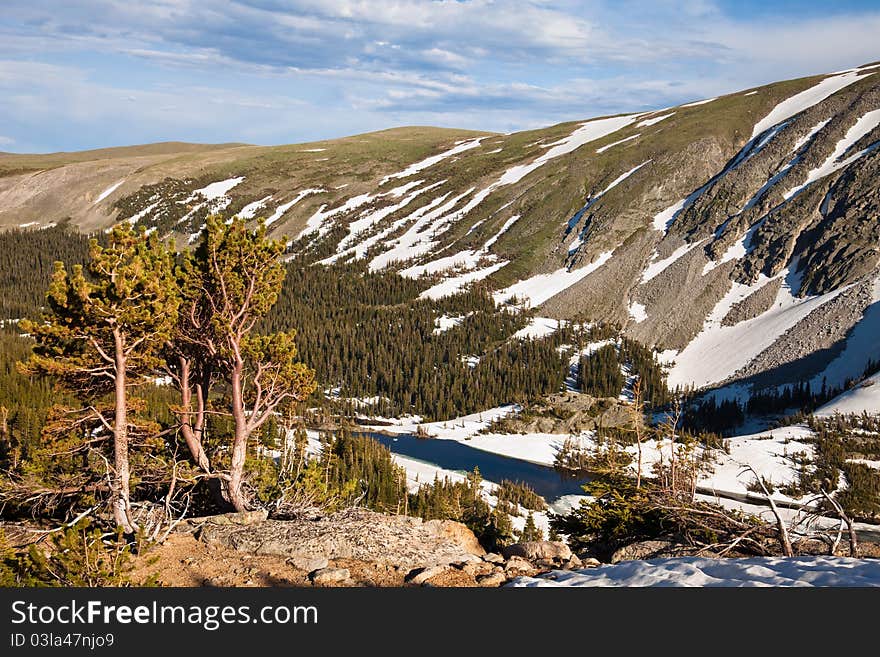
column 538, row 327
column 455, row 284
column 112, row 188
column 652, row 121
column 656, row 268
column 699, row 102
column 282, row 209
column 718, row 351
column 536, row 290
column 617, row 143
column 434, row 159
column 638, row 312
column 862, row 127
column 806, row 99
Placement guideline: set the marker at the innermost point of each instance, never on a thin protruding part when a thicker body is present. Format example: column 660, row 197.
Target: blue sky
column 78, row 74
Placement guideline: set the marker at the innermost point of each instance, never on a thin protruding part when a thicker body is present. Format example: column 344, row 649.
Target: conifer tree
column 530, row 531
column 239, row 274
column 101, row 333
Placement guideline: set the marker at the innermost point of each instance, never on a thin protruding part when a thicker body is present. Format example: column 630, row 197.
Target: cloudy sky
column 78, row 74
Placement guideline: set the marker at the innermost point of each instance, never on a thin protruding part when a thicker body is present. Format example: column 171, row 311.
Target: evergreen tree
column 530, row 531
column 240, row 274
column 100, row 334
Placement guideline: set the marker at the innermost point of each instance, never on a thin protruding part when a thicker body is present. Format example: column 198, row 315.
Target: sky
column 78, row 74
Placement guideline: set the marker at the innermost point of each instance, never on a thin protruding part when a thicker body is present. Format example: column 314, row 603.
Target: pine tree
column 240, row 274
column 530, row 531
column 100, row 334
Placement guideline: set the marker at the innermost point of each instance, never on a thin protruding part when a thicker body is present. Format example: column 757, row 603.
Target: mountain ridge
column 739, row 231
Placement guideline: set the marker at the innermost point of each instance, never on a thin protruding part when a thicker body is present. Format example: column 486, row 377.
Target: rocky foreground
column 355, row 547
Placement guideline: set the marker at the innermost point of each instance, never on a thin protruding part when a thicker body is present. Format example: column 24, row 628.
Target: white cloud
column 294, row 69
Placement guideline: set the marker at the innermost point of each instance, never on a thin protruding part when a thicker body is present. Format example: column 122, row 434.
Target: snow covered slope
column 738, row 234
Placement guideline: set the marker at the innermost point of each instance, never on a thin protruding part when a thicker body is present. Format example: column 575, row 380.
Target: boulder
column 325, row 576
column 539, row 551
column 492, row 579
column 573, row 563
column 643, row 550
column 457, row 533
column 308, row 563
column 493, row 557
column 421, row 576
column 518, row 564
column 401, row 541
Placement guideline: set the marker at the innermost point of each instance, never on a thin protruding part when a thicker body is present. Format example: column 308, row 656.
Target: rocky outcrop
column 569, row 413
column 402, row 541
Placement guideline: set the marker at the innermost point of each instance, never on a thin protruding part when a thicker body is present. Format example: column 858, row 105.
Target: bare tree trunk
column 121, row 486
column 853, row 537
column 784, row 538
column 193, row 423
column 239, row 442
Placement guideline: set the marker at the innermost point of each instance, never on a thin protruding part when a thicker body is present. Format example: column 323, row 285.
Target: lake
column 457, row 456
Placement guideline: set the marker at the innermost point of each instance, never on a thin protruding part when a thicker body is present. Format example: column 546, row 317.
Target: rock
column 308, row 563
column 642, row 550
column 539, row 551
column 457, row 533
column 477, row 568
column 358, row 534
column 421, row 576
column 325, row 576
column 492, row 579
column 573, row 563
column 493, row 557
column 590, row 562
column 518, row 564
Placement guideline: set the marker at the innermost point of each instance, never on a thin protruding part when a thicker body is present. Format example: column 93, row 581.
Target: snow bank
column 833, row 163
column 821, row 571
column 455, row 284
column 217, row 189
column 806, row 99
column 538, row 327
column 587, row 132
column 864, row 397
column 112, row 188
column 536, row 290
column 617, row 143
column 413, row 169
column 656, row 268
column 283, row 208
column 250, row 210
column 699, row 102
column 652, row 121
column 718, row 351
column 317, row 220
column 638, row 312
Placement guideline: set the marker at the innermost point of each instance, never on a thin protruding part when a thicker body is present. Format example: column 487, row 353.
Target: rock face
column 402, row 541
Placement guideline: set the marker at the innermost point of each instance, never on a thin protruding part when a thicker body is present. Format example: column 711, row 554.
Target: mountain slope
column 738, row 234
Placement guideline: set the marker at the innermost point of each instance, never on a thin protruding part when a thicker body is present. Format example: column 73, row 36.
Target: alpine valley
column 521, row 297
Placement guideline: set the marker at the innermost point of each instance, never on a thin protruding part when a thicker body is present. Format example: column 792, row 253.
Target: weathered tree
column 101, row 332
column 239, row 275
column 190, row 359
